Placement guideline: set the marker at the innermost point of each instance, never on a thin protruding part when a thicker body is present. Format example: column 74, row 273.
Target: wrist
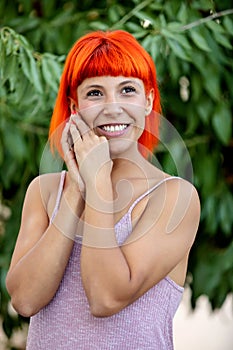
column 68, row 216
column 73, row 196
column 99, row 195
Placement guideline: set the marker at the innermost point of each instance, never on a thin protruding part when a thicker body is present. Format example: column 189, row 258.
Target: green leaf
column 24, row 58
column 14, row 143
column 96, row 25
column 155, row 48
column 204, row 109
column 199, row 61
column 146, row 43
column 182, row 15
column 9, row 45
column 168, row 34
column 183, row 41
column 174, row 26
column 215, row 27
column 199, row 40
column 1, row 150
column 227, row 261
column 2, row 60
column 204, row 5
column 222, row 123
column 140, row 34
column 174, row 68
column 196, row 85
column 47, row 73
column 154, row 5
column 56, row 64
column 228, row 24
column 34, row 70
column 11, row 67
column 24, row 42
column 212, row 81
column 19, row 93
column 225, row 207
column 178, row 50
column 223, row 40
column 180, row 38
column 133, row 27
column 113, row 14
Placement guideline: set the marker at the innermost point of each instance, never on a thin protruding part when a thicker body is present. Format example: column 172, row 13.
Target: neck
column 128, row 167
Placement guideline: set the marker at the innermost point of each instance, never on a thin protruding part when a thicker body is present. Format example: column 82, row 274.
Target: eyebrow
column 88, row 87
column 97, row 86
column 130, row 82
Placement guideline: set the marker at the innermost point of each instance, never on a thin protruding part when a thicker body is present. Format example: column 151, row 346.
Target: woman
column 102, row 252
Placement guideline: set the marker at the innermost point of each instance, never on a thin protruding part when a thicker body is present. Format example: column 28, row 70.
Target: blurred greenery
column 191, row 44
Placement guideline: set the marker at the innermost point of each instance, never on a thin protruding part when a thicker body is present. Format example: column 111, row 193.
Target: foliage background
column 191, row 44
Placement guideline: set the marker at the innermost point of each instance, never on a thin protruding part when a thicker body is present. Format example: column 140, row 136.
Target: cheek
column 89, row 112
column 138, row 114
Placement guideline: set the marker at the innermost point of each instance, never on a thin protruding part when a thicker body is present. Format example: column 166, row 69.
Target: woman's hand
column 86, row 154
column 91, row 152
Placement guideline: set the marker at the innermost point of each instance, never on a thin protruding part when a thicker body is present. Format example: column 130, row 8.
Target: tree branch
column 206, row 19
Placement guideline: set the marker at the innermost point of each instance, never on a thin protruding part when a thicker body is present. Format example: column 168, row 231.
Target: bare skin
column 105, row 169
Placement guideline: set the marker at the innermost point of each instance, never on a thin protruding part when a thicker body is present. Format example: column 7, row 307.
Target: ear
column 149, row 102
column 73, row 105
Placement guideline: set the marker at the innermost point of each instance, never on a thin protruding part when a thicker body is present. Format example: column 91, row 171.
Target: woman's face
column 115, row 107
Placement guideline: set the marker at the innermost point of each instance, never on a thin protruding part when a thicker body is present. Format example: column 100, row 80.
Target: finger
column 65, row 139
column 76, row 136
column 83, row 128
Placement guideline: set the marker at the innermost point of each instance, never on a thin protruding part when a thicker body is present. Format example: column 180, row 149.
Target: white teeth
column 114, row 128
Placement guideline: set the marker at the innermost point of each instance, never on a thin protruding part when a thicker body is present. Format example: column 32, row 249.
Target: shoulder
column 180, row 189
column 45, row 182
column 42, row 187
column 41, row 191
column 172, row 190
column 177, row 205
column 175, row 186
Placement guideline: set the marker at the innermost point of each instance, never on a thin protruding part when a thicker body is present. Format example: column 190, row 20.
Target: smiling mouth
column 113, row 127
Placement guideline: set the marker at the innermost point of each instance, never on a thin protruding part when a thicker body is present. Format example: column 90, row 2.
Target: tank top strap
column 59, row 194
column 149, row 191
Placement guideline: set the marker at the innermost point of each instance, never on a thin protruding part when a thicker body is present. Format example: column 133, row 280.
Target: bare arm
column 114, row 277
column 41, row 253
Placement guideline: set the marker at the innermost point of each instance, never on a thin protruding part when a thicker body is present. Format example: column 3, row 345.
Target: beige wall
column 203, row 329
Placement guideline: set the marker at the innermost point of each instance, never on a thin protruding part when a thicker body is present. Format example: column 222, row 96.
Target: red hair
column 106, row 54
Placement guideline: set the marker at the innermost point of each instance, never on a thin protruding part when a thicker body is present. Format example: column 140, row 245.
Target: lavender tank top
column 67, row 324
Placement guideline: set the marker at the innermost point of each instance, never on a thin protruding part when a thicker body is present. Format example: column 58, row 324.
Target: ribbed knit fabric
column 67, row 324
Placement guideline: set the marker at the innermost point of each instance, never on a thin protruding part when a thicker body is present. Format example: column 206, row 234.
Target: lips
column 113, row 130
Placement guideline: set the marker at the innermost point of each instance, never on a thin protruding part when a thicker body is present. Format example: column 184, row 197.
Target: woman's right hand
column 70, row 159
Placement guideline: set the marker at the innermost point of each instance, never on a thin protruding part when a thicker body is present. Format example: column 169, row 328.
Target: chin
column 118, row 147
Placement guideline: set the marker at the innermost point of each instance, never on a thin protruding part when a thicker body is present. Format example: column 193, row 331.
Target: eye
column 128, row 89
column 94, row 93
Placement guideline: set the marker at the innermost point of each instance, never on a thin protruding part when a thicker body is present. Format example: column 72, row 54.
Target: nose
column 112, row 108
